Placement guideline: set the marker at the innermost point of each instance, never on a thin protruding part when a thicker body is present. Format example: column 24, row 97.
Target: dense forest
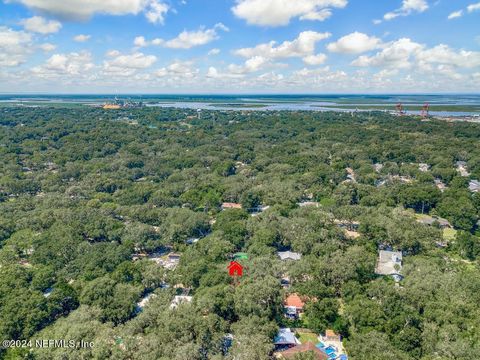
column 95, row 206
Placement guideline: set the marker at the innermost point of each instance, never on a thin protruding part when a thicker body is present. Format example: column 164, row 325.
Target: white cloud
column 128, row 64
column 404, row 53
column 443, row 54
column 408, row 7
column 189, row 39
column 320, row 15
column 355, row 43
column 213, row 73
column 315, row 60
column 253, row 64
column 41, row 25
column 72, row 64
column 455, row 14
column 82, row 38
column 302, row 46
column 112, row 53
column 396, row 54
column 280, row 12
column 154, row 10
column 214, row 52
column 178, row 69
column 140, row 41
column 47, row 47
column 473, row 7
column 14, row 46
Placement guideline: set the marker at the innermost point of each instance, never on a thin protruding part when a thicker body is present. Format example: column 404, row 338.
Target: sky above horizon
column 240, row 46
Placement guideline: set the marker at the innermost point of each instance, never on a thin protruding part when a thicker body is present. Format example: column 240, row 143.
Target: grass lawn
column 305, row 337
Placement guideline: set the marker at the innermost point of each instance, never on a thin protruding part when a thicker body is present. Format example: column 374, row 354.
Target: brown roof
column 309, row 346
column 231, row 206
column 294, row 300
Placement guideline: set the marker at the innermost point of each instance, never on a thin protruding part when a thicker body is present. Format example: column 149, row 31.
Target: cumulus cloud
column 408, row 7
column 72, row 64
column 178, row 69
column 189, row 39
column 41, row 25
column 81, row 38
column 280, row 12
column 405, row 53
column 302, row 46
column 396, row 54
column 47, row 47
column 213, row 73
column 354, row 43
column 253, row 64
column 185, row 40
column 315, row 60
column 154, row 10
column 128, row 64
column 14, row 46
column 443, row 54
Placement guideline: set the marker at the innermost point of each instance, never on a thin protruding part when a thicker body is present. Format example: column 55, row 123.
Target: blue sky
column 240, row 46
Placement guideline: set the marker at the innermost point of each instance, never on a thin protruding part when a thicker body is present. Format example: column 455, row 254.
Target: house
column 227, row 205
column 377, row 167
column 350, row 175
column 293, row 306
column 474, row 186
column 440, row 185
column 308, row 347
column 180, row 299
column 235, row 269
column 349, row 225
column 169, row 262
column 423, row 167
column 389, row 263
column 308, row 203
column 285, row 339
column 144, row 301
column 432, row 220
column 289, row 255
column 462, row 168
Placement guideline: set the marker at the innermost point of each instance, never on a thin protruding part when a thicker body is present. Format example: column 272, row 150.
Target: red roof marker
column 235, row 269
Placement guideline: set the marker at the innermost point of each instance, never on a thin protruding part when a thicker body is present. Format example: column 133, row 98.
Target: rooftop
column 388, row 261
column 231, row 206
column 286, row 337
column 289, row 255
column 294, row 300
column 307, row 347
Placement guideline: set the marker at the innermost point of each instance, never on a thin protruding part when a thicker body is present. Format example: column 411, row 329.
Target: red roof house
column 293, row 300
